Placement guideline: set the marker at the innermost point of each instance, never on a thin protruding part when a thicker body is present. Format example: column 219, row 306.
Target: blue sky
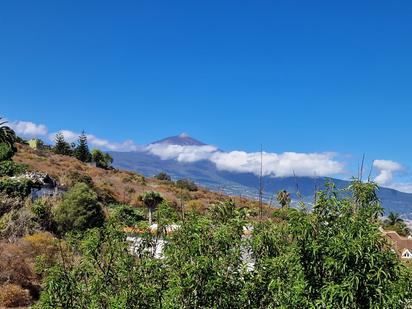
column 300, row 76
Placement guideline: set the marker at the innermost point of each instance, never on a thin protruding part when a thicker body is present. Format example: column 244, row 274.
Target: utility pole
column 261, row 184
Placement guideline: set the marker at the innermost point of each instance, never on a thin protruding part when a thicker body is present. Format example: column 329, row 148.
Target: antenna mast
column 261, row 183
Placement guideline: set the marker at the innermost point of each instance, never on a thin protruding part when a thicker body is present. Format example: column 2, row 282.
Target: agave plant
column 7, row 135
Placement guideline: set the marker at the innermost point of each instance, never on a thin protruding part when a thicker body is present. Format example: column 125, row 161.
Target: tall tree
column 61, row 146
column 7, row 135
column 82, row 152
column 151, row 199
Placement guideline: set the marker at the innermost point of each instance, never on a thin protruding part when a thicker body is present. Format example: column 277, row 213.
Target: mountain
column 181, row 140
column 206, row 174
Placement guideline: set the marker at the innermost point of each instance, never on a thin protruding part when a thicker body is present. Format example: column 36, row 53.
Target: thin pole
column 261, row 183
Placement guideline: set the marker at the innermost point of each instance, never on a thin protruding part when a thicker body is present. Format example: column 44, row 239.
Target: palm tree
column 225, row 211
column 151, row 199
column 393, row 219
column 7, row 135
column 283, row 198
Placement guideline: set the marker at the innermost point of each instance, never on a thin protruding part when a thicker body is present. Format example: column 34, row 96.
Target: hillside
column 124, row 186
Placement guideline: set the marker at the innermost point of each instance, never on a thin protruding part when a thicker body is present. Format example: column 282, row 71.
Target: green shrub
column 102, row 159
column 16, row 187
column 79, row 210
column 186, row 184
column 126, row 214
column 163, row 176
column 10, row 168
column 41, row 208
column 6, row 152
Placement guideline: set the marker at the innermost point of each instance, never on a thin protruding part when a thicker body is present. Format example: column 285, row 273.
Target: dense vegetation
column 70, row 251
column 334, row 257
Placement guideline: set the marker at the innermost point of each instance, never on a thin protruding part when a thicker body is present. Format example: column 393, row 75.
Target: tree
column 79, row 210
column 396, row 223
column 283, row 198
column 151, row 199
column 163, row 176
column 7, row 135
column 186, row 184
column 82, row 152
column 102, row 159
column 6, row 152
column 393, row 218
column 61, row 146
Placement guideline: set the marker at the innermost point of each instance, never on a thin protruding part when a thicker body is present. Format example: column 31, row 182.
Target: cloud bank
column 386, row 169
column 276, row 165
column 29, row 130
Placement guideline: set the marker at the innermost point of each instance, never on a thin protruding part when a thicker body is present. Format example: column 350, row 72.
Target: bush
column 41, row 208
column 79, row 210
column 8, row 203
column 163, row 176
column 186, row 184
column 103, row 160
column 76, row 177
column 13, row 295
column 6, row 152
column 126, row 214
column 18, row 223
column 10, row 168
column 16, row 187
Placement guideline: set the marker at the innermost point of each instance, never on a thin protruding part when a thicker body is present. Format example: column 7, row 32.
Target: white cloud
column 94, row 141
column 182, row 153
column 386, row 169
column 28, row 129
column 402, row 186
column 279, row 165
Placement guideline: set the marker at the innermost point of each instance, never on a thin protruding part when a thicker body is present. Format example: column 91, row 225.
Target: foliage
column 102, row 159
column 42, row 209
column 204, row 265
column 334, row 257
column 81, row 151
column 79, row 210
column 61, row 146
column 106, row 276
column 395, row 223
column 6, row 152
column 10, row 168
column 17, row 223
column 186, row 184
column 125, row 214
column 283, row 198
column 163, row 176
column 13, row 295
column 151, row 199
column 7, row 135
column 16, row 187
column 226, row 211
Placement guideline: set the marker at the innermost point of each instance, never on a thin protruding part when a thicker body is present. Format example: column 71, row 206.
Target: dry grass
column 13, row 295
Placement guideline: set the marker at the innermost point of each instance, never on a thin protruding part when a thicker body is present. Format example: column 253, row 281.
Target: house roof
column 399, row 243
